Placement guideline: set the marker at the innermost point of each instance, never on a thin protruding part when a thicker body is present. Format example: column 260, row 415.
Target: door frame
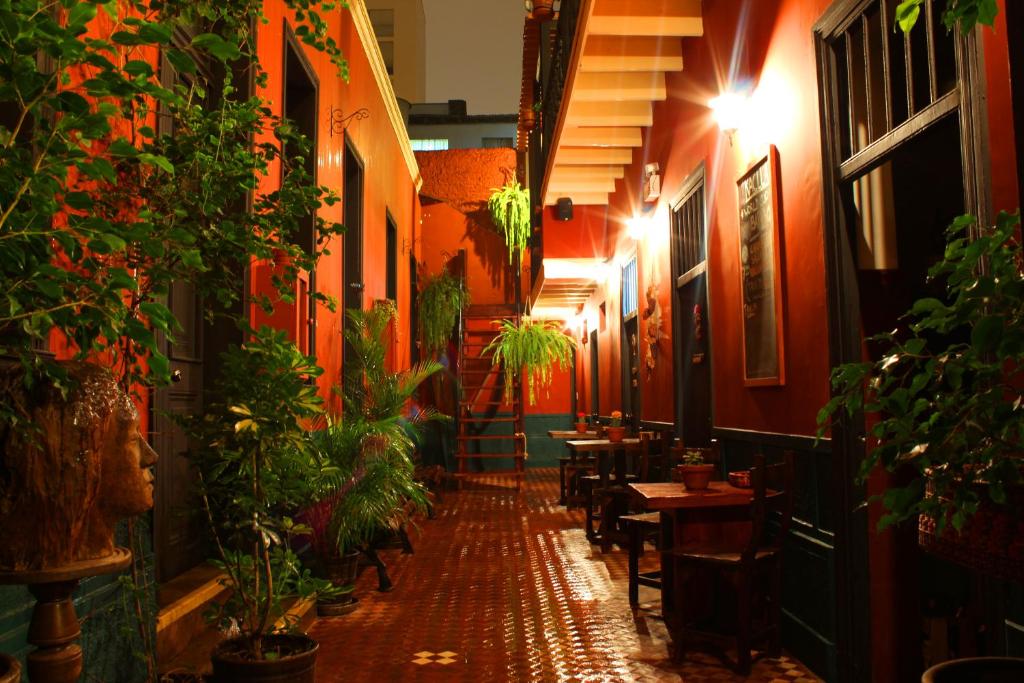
column 696, row 178
column 353, row 237
column 852, row 579
column 625, row 353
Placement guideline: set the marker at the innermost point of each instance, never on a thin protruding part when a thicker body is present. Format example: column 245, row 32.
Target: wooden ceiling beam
column 593, row 155
column 620, row 86
column 631, row 53
column 583, row 171
column 601, row 136
column 565, row 184
column 578, row 198
column 678, row 18
column 610, row 114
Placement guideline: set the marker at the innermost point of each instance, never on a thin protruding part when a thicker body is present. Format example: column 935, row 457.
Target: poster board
column 761, row 273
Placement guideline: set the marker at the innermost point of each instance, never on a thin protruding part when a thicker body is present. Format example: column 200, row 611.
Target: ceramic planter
column 10, row 669
column 581, row 427
column 988, row 669
column 342, row 569
column 296, row 662
column 616, row 434
column 696, row 477
column 991, row 542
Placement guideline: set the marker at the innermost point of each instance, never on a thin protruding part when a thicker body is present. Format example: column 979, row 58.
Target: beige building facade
column 400, row 26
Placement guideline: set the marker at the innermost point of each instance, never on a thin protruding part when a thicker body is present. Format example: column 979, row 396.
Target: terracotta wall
column 389, row 185
column 456, row 185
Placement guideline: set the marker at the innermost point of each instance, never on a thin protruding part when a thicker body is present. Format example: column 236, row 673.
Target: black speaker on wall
column 563, row 209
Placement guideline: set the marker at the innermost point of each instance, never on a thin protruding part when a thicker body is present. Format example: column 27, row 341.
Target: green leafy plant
column 966, row 13
column 947, row 390
column 510, row 210
column 532, row 348
column 256, row 468
column 692, row 456
column 371, row 487
column 440, row 300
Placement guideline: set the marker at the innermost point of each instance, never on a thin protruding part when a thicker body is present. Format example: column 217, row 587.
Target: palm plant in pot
column 371, row 487
column 950, row 409
column 616, row 431
column 530, row 349
column 254, row 466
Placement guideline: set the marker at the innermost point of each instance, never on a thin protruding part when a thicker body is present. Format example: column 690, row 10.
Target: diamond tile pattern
column 505, row 587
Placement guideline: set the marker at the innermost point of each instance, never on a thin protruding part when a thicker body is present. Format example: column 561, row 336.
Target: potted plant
column 581, row 423
column 371, row 486
column 531, row 348
column 615, row 429
column 947, row 393
column 694, row 472
column 438, row 304
column 255, row 466
column 510, row 210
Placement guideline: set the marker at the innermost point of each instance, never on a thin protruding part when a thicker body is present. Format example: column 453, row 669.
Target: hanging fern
column 510, row 209
column 438, row 306
column 532, row 348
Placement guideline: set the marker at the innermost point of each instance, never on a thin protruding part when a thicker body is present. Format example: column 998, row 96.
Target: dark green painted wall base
column 110, row 639
column 439, row 445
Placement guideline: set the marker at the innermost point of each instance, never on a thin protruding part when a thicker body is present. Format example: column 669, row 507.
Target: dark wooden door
column 631, row 370
column 353, row 220
column 178, row 529
column 694, row 357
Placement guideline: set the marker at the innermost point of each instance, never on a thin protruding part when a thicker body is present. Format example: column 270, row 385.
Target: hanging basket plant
column 532, row 348
column 510, row 209
column 440, row 300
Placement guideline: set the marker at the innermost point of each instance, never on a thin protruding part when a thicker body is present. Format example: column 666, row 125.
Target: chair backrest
column 773, row 499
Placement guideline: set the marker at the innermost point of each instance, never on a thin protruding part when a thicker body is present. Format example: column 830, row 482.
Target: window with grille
column 391, row 263
column 884, row 77
column 430, row 145
column 688, row 247
column 630, row 287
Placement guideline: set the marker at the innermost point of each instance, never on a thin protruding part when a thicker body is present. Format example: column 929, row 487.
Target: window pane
column 383, row 21
column 629, row 288
column 433, row 145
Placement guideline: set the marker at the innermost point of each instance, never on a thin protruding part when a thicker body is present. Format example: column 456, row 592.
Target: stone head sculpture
column 78, row 467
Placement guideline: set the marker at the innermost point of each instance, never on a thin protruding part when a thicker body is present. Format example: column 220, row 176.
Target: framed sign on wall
column 761, row 273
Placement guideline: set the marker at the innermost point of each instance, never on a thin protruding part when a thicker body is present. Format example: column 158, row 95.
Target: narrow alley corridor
column 507, row 588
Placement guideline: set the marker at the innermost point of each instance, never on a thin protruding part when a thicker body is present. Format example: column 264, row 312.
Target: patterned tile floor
column 505, row 587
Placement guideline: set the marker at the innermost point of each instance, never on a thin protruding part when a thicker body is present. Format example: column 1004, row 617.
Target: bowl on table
column 740, row 479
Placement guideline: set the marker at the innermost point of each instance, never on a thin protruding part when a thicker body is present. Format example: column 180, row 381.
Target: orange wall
column 388, row 185
column 456, row 185
column 581, row 237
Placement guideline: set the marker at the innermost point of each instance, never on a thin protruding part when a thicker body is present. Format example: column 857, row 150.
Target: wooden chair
column 642, row 527
column 755, row 564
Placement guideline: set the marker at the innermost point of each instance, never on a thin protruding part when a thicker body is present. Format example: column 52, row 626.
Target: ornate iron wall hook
column 340, row 122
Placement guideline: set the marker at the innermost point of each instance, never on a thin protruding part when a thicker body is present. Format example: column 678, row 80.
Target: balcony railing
column 554, row 82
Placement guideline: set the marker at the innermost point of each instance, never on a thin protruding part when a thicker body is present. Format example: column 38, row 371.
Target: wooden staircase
column 485, row 432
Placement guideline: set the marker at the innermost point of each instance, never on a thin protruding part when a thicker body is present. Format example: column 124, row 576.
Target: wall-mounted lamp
column 637, row 227
column 730, row 110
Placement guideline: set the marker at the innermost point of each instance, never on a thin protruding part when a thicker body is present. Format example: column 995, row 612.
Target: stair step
column 470, row 418
column 486, row 437
column 488, row 403
column 486, row 456
column 476, row 372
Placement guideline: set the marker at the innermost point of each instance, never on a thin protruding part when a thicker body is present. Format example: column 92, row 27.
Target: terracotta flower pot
column 581, row 427
column 338, row 607
column 10, row 669
column 295, row 663
column 528, row 117
column 697, row 477
column 616, row 434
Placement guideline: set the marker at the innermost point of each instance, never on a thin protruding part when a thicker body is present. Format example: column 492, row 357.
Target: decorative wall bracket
column 340, row 121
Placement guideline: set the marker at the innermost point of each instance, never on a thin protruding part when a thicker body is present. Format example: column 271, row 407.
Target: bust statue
column 75, row 467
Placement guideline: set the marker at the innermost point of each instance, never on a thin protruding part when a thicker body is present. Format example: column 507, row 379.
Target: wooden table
column 571, row 434
column 720, row 513
column 608, row 473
